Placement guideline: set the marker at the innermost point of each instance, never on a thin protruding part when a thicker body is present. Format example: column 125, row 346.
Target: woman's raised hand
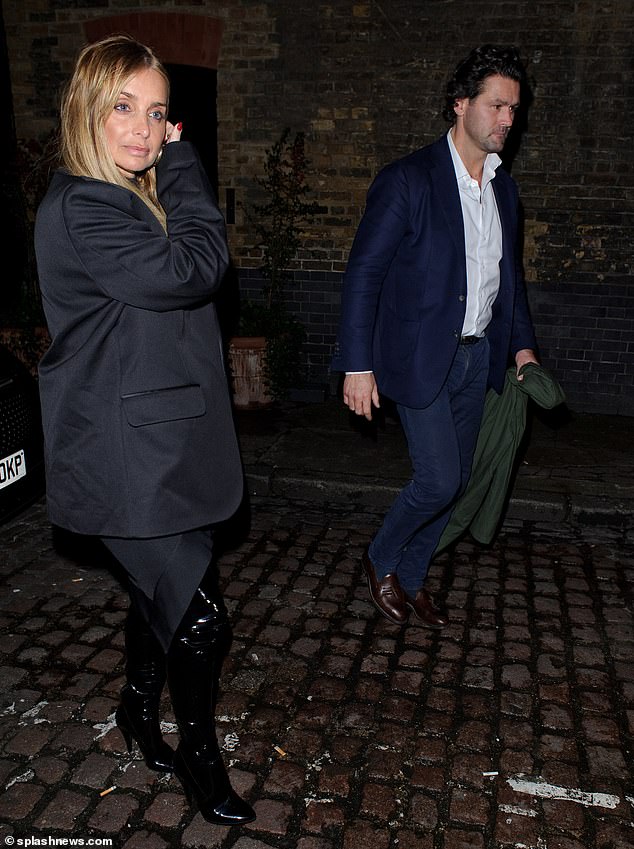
column 173, row 132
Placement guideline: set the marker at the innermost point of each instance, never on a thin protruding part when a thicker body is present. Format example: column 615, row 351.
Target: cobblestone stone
column 112, row 813
column 166, row 810
column 62, row 811
column 94, row 771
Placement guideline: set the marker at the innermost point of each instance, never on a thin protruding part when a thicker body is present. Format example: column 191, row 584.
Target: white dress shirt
column 483, row 240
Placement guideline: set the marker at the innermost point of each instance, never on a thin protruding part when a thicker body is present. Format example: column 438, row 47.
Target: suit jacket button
column 461, row 297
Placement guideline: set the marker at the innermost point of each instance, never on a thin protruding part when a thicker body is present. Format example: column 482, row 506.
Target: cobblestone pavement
column 511, row 728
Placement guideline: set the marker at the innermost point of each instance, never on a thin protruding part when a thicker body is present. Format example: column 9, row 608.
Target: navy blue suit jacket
column 405, row 287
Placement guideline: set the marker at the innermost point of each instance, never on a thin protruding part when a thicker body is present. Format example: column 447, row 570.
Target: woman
column 140, row 445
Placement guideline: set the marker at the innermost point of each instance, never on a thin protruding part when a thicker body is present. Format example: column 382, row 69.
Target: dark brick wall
column 587, row 338
column 314, row 297
column 364, row 81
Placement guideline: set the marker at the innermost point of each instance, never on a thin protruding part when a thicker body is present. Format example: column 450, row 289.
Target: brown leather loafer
column 387, row 595
column 425, row 611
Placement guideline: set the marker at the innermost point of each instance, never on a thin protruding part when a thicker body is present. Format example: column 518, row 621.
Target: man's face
column 487, row 119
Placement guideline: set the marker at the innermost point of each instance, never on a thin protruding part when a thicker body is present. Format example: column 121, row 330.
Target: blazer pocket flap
column 164, row 405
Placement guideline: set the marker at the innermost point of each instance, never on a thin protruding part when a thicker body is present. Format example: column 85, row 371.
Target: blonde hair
column 100, row 73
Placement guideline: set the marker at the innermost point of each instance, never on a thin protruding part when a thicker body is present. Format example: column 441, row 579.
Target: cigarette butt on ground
column 490, row 774
column 108, row 790
column 280, row 752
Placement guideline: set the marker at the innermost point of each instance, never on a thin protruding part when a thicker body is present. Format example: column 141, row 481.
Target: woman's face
column 135, row 129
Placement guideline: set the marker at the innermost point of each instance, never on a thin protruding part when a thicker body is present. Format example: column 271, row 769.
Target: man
column 433, row 307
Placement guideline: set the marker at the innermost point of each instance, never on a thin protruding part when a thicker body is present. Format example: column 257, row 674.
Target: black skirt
column 164, row 573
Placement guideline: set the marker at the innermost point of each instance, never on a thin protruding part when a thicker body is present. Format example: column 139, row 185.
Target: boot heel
column 187, row 790
column 156, row 753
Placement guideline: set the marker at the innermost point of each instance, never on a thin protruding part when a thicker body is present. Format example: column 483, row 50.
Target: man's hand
column 526, row 355
column 360, row 392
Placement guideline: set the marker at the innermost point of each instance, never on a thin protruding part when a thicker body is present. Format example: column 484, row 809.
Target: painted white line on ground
column 515, row 809
column 537, row 787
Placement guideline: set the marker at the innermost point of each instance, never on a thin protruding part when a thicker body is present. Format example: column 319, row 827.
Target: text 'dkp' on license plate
column 12, row 468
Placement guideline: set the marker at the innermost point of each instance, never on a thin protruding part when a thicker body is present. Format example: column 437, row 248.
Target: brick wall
column 586, row 338
column 314, row 297
column 364, row 81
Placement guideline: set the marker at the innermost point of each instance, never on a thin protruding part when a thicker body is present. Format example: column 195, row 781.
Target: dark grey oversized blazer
column 139, row 437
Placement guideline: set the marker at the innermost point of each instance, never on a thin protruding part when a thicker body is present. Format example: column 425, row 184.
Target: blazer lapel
column 444, row 178
column 505, row 210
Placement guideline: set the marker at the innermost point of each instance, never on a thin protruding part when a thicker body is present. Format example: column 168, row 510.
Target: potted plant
column 265, row 354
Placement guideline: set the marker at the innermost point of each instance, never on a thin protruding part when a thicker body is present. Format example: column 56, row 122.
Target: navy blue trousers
column 441, row 439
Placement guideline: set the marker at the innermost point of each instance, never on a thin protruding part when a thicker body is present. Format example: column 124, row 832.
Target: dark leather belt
column 470, row 340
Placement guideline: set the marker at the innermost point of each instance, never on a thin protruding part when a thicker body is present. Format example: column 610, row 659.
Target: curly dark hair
column 469, row 76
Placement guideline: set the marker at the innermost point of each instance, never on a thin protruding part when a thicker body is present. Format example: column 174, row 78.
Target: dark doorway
column 193, row 101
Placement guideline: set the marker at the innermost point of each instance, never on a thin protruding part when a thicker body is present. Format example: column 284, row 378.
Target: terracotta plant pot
column 247, row 357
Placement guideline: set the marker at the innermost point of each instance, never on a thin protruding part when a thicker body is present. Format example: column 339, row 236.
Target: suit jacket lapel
column 444, row 178
column 505, row 212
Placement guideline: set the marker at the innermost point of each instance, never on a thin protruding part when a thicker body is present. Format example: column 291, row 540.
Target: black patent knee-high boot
column 137, row 716
column 194, row 661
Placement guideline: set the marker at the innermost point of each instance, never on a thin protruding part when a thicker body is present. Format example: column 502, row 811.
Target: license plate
column 12, row 468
